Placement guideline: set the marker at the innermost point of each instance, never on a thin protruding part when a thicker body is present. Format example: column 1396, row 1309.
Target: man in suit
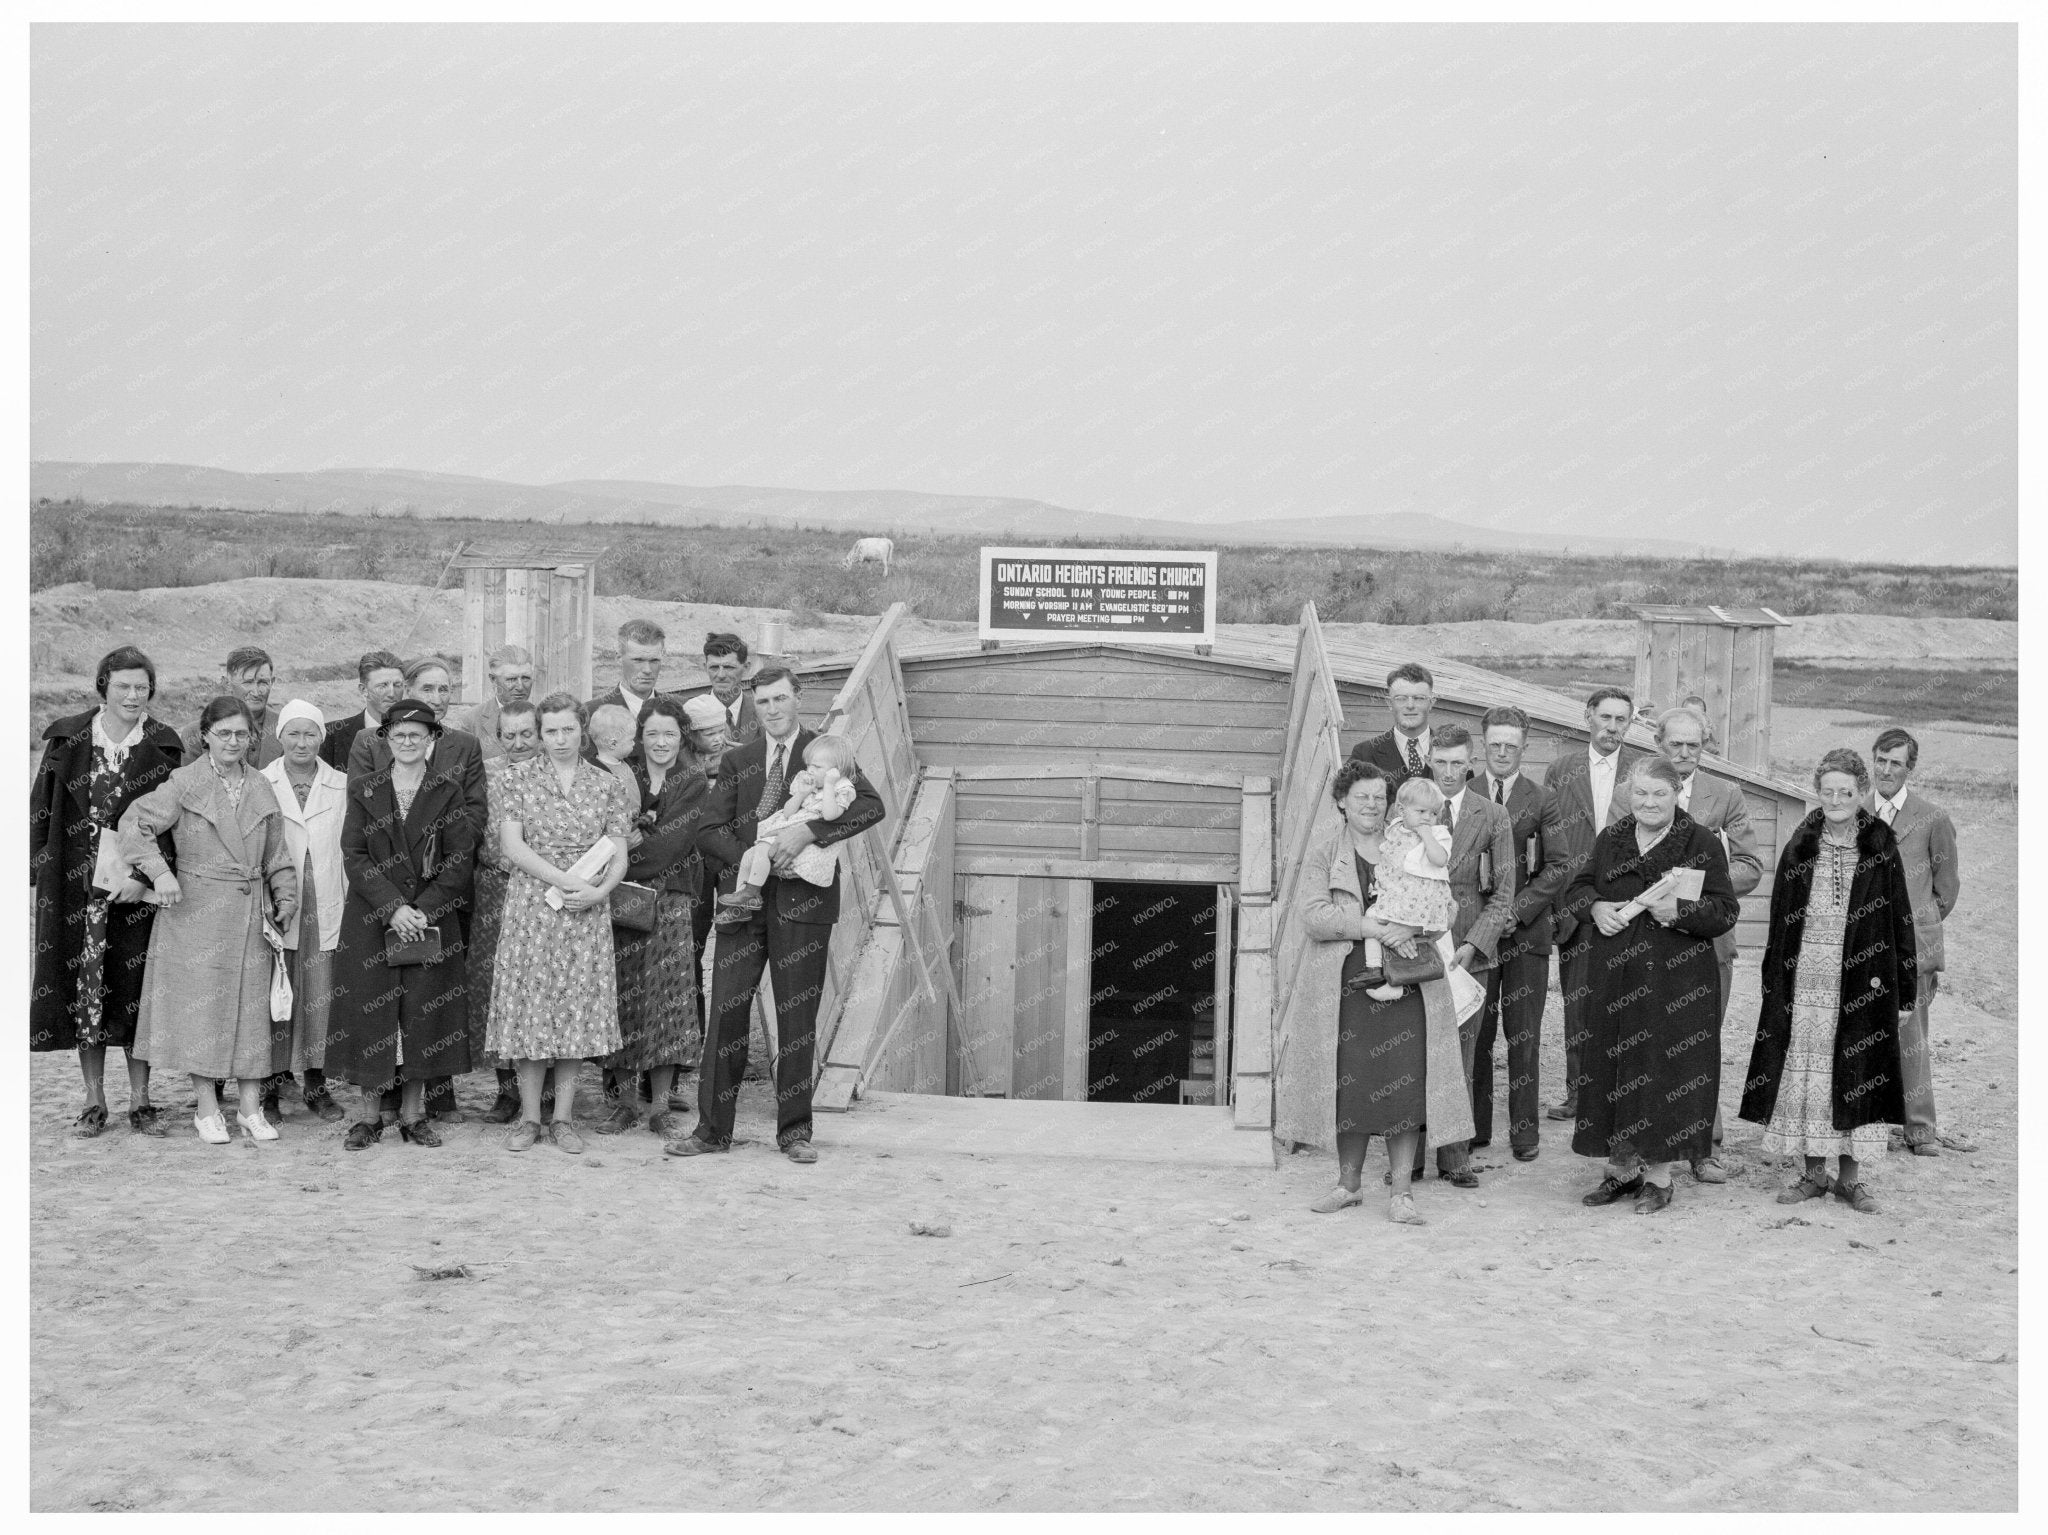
column 1927, row 848
column 1403, row 751
column 791, row 931
column 512, row 674
column 725, row 663
column 460, row 756
column 1582, row 793
column 1520, row 978
column 1482, row 879
column 380, row 678
column 1719, row 806
column 643, row 651
column 246, row 674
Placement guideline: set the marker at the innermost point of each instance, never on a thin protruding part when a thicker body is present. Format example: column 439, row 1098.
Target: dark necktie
column 771, row 791
column 1500, row 796
column 1414, row 758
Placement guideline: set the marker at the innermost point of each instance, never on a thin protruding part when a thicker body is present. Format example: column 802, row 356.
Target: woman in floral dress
column 554, row 990
column 92, row 939
column 1840, row 966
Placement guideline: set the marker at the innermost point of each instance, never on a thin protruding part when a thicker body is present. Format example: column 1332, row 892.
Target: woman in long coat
column 1653, row 1054
column 1840, row 967
column 206, row 992
column 313, row 798
column 408, row 844
column 657, row 971
column 92, row 944
column 1388, row 1067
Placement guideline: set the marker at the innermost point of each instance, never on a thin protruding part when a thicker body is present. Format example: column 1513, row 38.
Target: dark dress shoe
column 1478, row 1145
column 363, row 1134
column 1525, row 1153
column 321, row 1102
column 1460, row 1178
column 690, row 1146
column 146, row 1121
column 1563, row 1111
column 1652, row 1199
column 504, row 1110
column 800, row 1151
column 420, row 1132
column 1612, row 1190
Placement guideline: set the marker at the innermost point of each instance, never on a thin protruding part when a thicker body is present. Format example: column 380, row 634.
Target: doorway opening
column 1152, row 985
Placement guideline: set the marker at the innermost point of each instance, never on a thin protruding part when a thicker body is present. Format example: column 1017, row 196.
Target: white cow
column 870, row 551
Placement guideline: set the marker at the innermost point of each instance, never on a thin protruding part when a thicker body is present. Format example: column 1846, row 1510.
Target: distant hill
column 390, row 491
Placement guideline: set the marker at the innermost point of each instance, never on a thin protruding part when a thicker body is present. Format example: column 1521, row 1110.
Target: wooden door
column 1022, row 954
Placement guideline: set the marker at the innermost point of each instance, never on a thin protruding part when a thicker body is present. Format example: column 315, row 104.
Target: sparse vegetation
column 126, row 547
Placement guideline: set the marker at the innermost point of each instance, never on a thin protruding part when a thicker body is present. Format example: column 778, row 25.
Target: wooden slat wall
column 1301, row 807
column 987, row 950
column 1110, row 707
column 1145, row 820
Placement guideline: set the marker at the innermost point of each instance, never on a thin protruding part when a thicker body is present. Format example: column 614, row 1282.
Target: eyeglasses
column 407, row 737
column 229, row 735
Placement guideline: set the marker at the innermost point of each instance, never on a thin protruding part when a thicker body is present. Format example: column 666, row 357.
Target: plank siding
column 988, row 975
column 1040, row 1023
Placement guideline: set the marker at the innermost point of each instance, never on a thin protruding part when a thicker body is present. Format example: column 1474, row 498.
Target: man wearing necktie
column 791, row 932
column 1481, row 873
column 1402, row 752
column 1927, row 849
column 1578, row 803
column 1517, row 984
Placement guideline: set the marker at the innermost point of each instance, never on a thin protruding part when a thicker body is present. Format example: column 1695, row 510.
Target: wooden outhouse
column 543, row 598
column 1086, row 886
column 1723, row 657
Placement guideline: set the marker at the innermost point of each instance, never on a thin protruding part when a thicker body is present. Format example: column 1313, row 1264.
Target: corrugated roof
column 1271, row 647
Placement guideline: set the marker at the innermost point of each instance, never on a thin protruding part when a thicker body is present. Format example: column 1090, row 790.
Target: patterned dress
column 103, row 791
column 487, row 911
column 554, row 990
column 1803, row 1121
column 658, row 1018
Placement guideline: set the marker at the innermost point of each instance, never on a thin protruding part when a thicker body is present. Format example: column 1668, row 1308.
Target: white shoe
column 213, row 1129
column 259, row 1128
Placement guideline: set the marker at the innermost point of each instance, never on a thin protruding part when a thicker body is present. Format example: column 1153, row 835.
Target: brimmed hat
column 409, row 711
column 705, row 712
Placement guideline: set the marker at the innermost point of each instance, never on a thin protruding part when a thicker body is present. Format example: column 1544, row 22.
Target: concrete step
column 1191, row 1136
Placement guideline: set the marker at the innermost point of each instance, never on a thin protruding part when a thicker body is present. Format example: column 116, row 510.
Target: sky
column 1743, row 285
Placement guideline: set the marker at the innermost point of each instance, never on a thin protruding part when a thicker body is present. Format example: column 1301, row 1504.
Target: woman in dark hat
column 93, row 915
column 401, row 1018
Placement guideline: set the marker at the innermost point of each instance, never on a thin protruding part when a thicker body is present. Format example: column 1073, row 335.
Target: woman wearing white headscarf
column 314, row 799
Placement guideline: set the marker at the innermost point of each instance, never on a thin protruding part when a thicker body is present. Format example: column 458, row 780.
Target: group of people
column 391, row 900
column 1630, row 866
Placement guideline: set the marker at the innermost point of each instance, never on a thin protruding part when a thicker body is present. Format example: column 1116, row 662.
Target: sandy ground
column 247, row 1328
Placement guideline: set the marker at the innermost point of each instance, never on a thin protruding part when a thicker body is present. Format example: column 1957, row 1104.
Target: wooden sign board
column 1153, row 596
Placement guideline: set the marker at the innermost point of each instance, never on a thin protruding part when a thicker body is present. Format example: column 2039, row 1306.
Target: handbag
column 633, row 906
column 280, row 973
column 1427, row 965
column 424, row 950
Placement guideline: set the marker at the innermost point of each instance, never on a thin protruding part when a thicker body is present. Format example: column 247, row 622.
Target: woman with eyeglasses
column 400, row 1018
column 92, row 915
column 206, row 991
column 1840, row 966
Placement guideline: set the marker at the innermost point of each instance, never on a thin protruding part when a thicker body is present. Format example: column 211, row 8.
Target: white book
column 586, row 868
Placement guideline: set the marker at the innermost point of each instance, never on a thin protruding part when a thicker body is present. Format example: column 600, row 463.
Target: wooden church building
column 1086, row 886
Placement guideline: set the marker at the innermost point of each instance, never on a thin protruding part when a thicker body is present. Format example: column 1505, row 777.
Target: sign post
column 1155, row 596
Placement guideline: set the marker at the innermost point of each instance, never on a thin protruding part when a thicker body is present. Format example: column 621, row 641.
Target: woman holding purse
column 400, row 1014
column 1653, row 1054
column 651, row 940
column 206, row 993
column 555, row 991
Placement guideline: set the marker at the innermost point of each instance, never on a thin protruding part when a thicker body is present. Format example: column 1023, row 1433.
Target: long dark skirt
column 658, row 1017
column 489, row 898
column 1380, row 1058
column 392, row 1025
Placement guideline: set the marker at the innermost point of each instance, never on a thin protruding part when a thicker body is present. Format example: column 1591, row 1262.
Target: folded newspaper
column 587, row 868
column 1686, row 884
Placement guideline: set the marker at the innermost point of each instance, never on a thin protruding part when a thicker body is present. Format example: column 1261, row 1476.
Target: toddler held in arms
column 821, row 792
column 1414, row 881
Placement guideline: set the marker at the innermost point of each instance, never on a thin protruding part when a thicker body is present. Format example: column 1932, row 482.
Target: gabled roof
column 1271, row 648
